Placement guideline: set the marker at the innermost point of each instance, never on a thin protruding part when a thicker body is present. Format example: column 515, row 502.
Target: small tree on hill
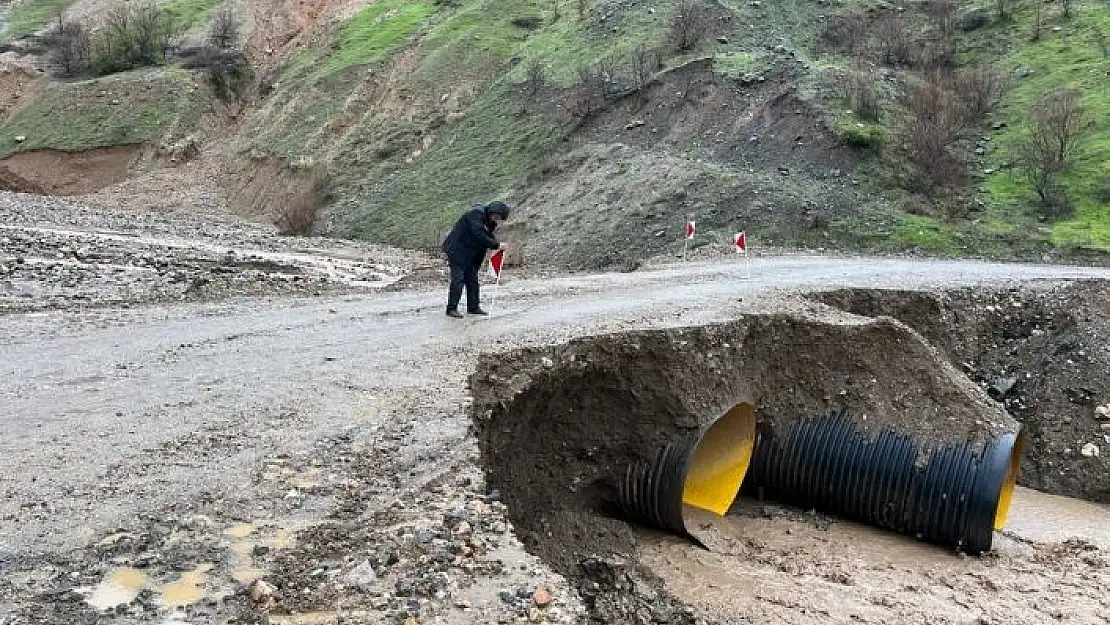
column 130, row 37
column 224, row 31
column 689, row 25
column 1057, row 128
column 67, row 43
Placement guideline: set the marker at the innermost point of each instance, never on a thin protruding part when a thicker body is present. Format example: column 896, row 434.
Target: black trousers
column 463, row 275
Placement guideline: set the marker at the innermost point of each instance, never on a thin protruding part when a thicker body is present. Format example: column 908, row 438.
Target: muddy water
column 1052, row 564
column 1048, row 518
column 187, row 589
column 119, row 587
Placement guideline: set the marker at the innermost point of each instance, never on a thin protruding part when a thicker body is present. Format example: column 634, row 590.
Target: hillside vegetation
column 953, row 128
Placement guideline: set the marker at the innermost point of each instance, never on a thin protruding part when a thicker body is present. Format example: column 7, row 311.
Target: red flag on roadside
column 689, row 231
column 741, row 242
column 495, row 260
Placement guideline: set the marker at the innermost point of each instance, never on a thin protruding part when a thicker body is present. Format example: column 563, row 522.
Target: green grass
column 488, row 154
column 74, row 116
column 859, row 134
column 184, row 14
column 369, row 36
column 376, row 30
column 1069, row 59
column 479, row 37
column 28, row 16
column 930, row 234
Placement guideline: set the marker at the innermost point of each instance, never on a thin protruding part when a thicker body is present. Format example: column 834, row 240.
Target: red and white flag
column 690, row 229
column 495, row 260
column 741, row 240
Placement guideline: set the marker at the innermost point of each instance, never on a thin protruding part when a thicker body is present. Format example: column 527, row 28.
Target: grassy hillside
column 126, row 109
column 1070, row 53
column 27, row 16
column 419, row 109
column 860, row 125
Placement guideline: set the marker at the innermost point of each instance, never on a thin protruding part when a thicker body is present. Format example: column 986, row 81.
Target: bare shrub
column 224, row 31
column 1058, row 126
column 528, row 22
column 689, row 25
column 614, row 80
column 130, row 37
column 1100, row 39
column 1065, row 7
column 230, row 76
column 303, row 207
column 934, row 54
column 228, row 71
column 535, row 77
column 857, row 89
column 846, row 33
column 644, row 63
column 67, row 44
column 583, row 8
column 1038, row 21
column 943, row 14
column 587, row 98
column 1102, row 189
column 894, row 43
column 979, row 89
column 933, row 121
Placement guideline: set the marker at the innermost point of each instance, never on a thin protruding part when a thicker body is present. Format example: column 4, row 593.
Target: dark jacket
column 470, row 238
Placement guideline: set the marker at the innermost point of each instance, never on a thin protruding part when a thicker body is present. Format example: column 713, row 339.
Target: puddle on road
column 119, row 587
column 240, row 530
column 283, row 539
column 787, row 569
column 187, row 589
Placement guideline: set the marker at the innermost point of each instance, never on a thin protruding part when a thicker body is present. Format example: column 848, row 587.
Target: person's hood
column 498, row 208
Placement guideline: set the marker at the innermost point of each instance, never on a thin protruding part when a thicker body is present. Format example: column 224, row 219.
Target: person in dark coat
column 466, row 248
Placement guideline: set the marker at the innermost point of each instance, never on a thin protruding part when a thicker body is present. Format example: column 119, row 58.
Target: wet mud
column 772, row 564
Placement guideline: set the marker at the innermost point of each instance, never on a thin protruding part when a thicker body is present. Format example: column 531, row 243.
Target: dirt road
column 194, row 441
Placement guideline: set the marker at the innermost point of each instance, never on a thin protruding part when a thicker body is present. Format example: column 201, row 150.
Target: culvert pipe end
column 704, row 470
column 954, row 495
column 1008, row 454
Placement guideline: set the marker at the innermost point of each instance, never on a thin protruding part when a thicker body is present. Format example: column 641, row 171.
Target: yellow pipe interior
column 1006, row 495
column 720, row 461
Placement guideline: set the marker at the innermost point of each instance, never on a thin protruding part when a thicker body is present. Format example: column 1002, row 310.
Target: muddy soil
column 1044, row 353
column 57, row 172
column 770, row 564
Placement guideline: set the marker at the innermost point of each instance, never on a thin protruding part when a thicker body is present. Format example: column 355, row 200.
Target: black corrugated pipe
column 703, row 469
column 955, row 498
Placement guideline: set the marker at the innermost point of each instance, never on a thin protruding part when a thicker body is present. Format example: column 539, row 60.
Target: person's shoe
column 477, row 311
column 454, row 314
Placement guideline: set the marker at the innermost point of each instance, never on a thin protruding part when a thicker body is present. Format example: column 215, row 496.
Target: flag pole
column 496, row 283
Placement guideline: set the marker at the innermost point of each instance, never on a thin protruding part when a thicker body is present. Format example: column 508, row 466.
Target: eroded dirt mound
column 1043, row 352
column 557, row 424
column 58, row 172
